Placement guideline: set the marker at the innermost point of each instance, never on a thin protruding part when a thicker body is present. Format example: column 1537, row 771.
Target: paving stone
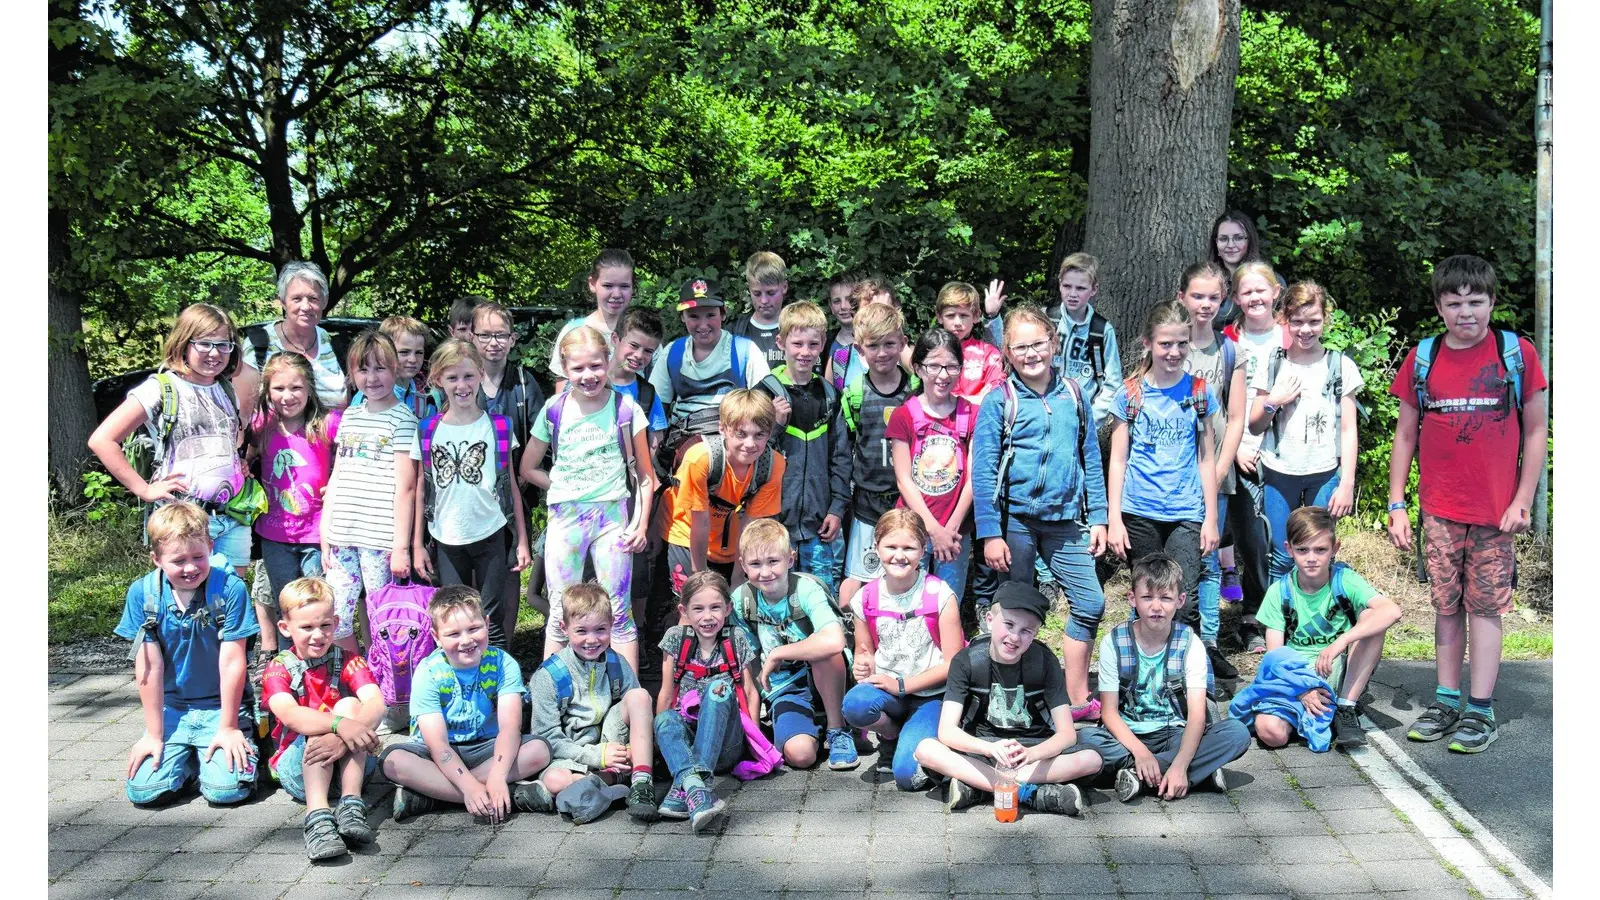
column 745, row 799
column 155, row 839
column 1347, row 797
column 1258, row 878
column 271, row 868
column 476, row 892
column 1285, row 823
column 1407, row 875
column 1367, row 821
column 1308, row 848
column 1457, row 890
column 503, row 872
column 161, row 890
column 1276, row 800
column 1206, row 824
column 193, row 866
column 908, row 823
column 1151, row 824
column 1372, row 848
column 433, row 870
column 1325, row 777
column 764, row 821
column 909, row 877
column 1125, row 850
column 754, row 848
column 1223, row 847
column 197, row 812
column 733, row 874
column 84, row 890
column 581, row 843
column 58, row 862
column 117, row 811
column 996, row 879
column 1326, row 878
column 465, row 842
column 1089, row 879
column 315, row 891
column 834, row 802
column 84, row 837
column 846, row 847
column 580, row 873
column 664, row 874
column 115, row 867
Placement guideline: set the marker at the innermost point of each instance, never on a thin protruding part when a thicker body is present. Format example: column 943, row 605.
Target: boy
column 843, row 361
column 1480, row 445
column 641, row 336
column 709, row 513
column 461, row 316
column 697, row 369
column 326, row 705
column 466, row 720
column 411, row 348
column 863, row 418
column 1005, row 703
column 957, row 310
column 813, row 505
column 588, row 706
column 768, row 280
column 188, row 621
column 801, row 642
column 1153, row 696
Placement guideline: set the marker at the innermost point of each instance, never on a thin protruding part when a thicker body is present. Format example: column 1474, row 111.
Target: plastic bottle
column 1005, row 794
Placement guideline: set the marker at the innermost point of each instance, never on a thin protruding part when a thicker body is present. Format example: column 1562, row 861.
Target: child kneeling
column 1006, row 701
column 466, row 742
column 1153, row 695
column 326, row 704
column 589, row 707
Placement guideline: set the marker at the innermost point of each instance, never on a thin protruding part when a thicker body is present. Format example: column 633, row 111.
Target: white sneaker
column 1128, row 784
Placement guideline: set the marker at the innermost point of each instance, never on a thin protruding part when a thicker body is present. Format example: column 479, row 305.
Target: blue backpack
column 213, row 613
column 561, row 676
column 1507, row 345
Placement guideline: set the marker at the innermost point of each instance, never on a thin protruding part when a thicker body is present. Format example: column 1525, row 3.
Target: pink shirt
column 295, row 472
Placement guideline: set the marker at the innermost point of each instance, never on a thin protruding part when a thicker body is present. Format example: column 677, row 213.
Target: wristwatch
column 1397, row 505
column 1269, row 408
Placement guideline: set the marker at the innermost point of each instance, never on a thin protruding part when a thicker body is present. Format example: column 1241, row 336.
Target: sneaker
column 1220, row 667
column 1055, row 594
column 1474, row 733
column 841, row 750
column 705, row 810
column 1128, row 784
column 1255, row 642
column 885, row 762
column 1088, row 711
column 675, row 806
column 642, row 800
column 1063, row 799
column 532, row 796
column 351, row 818
column 920, row 779
column 1347, row 730
column 408, row 803
column 322, row 836
column 960, row 795
column 1232, row 590
column 1435, row 722
column 1219, row 780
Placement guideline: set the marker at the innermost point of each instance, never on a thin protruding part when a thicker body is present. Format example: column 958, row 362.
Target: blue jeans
column 1210, row 588
column 1065, row 548
column 918, row 718
column 290, row 770
column 712, row 743
column 954, row 572
column 1284, row 494
column 286, row 562
column 187, row 734
column 231, row 538
column 821, row 559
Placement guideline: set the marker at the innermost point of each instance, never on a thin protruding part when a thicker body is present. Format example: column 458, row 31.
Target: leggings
column 578, row 532
column 348, row 570
column 1179, row 540
column 481, row 564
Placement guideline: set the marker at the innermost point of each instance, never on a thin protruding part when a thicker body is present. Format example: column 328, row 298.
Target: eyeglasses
column 1037, row 348
column 1232, row 239
column 212, row 346
column 493, row 337
column 933, row 369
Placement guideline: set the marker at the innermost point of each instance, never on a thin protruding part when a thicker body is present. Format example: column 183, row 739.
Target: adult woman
column 1234, row 241
column 303, row 295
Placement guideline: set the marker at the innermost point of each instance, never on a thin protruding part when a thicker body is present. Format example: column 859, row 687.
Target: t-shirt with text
column 1319, row 620
column 590, row 467
column 1307, row 443
column 361, row 513
column 1162, row 480
column 203, row 444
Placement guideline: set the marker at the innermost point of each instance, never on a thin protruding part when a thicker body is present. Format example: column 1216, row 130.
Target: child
column 957, row 308
column 1163, row 482
column 599, row 449
column 1005, row 706
column 469, row 506
column 699, row 368
column 590, row 708
column 815, row 475
column 844, row 363
column 1153, row 696
column 864, row 412
column 192, row 415
column 611, row 284
column 1473, row 412
column 768, row 280
column 327, row 705
column 362, row 503
column 1308, row 412
column 188, row 621
column 641, row 337
column 708, row 680
column 461, row 316
column 466, row 720
column 1333, row 619
column 932, row 441
column 410, row 339
column 294, row 438
column 724, row 482
column 801, row 642
column 508, row 387
column 1038, row 488
column 909, row 629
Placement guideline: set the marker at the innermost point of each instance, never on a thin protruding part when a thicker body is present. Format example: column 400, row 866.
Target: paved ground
column 1294, row 824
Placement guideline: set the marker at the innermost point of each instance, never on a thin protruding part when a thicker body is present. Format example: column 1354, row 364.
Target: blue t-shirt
column 191, row 643
column 1163, row 474
column 658, row 415
column 465, row 697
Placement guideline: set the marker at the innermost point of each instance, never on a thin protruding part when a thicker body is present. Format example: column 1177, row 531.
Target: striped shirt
column 361, row 513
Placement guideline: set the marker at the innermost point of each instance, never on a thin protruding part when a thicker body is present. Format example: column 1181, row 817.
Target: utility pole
column 1542, row 116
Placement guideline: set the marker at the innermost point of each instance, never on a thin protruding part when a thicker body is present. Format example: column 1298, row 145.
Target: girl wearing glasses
column 190, row 410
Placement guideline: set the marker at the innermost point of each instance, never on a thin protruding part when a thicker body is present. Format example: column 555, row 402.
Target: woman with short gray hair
column 302, row 295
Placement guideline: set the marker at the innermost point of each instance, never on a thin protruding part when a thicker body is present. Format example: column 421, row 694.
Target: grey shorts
column 473, row 753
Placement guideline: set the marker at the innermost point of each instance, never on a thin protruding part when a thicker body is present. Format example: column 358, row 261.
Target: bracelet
column 334, row 729
column 1271, row 410
column 902, row 685
column 1397, row 505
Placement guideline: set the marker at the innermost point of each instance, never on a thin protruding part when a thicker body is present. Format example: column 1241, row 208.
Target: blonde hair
column 452, row 352
column 585, row 599
column 1081, row 262
column 303, row 592
column 706, row 579
column 1302, row 294
column 1255, row 267
column 763, row 536
column 584, row 337
column 876, row 321
column 370, row 343
column 1026, row 314
column 182, row 521
column 195, row 322
column 490, row 308
column 395, row 326
column 802, row 314
column 315, row 419
column 900, row 519
column 869, row 285
column 747, row 405
column 765, row 268
column 1167, row 312
column 954, row 294
column 451, row 599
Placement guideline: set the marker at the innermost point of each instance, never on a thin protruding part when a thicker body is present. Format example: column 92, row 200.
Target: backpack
column 1230, row 359
column 841, row 360
column 260, row 343
column 145, row 450
column 298, row 667
column 966, row 416
column 502, row 463
column 561, row 677
column 981, row 682
column 855, row 396
column 1008, row 420
column 1095, row 343
column 830, row 405
column 1332, row 390
column 211, row 613
column 1174, row 657
column 1507, row 345
column 624, row 416
column 745, row 597
column 717, row 456
column 675, row 352
column 401, row 636
column 928, row 609
column 688, row 665
column 1341, row 600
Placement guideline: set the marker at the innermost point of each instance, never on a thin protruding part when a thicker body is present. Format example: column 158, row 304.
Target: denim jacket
column 1045, row 477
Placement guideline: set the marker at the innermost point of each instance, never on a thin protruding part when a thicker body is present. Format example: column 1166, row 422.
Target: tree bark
column 72, row 416
column 1161, row 85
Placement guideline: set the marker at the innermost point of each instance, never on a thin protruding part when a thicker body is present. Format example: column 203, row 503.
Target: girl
column 360, row 506
column 1307, row 412
column 1163, row 479
column 1234, row 241
column 611, row 285
column 1038, row 488
column 596, row 434
column 469, row 506
column 192, row 415
column 931, row 437
column 708, row 658
column 908, row 629
column 293, row 438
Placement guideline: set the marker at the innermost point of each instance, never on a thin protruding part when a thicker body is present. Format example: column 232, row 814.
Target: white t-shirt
column 330, row 385
column 203, row 444
column 1207, row 364
column 466, row 507
column 905, row 646
column 1307, row 444
column 717, row 362
column 1149, row 714
column 590, row 466
column 1255, row 348
column 361, row 513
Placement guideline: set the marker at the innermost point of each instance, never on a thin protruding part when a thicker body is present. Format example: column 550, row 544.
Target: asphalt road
column 1507, row 787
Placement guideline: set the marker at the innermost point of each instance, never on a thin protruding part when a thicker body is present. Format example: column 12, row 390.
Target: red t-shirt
column 315, row 690
column 980, row 369
column 938, row 457
column 1470, row 440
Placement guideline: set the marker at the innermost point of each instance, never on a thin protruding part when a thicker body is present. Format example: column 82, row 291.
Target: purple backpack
column 402, row 636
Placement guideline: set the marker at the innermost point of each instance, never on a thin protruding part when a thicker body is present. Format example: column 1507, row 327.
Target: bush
column 91, row 564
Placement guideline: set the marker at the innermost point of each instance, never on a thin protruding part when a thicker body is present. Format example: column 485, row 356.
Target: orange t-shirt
column 690, row 496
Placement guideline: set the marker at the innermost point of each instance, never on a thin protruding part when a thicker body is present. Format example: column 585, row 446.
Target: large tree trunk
column 1161, row 98
column 71, row 399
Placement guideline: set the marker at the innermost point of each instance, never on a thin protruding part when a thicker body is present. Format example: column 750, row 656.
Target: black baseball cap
column 699, row 293
column 1023, row 596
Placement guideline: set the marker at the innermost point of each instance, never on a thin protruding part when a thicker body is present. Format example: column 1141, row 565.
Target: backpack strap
column 1509, row 346
column 1135, row 389
column 552, row 415
column 150, row 587
column 1291, row 619
column 260, row 342
column 299, row 667
column 614, row 666
column 675, row 367
column 733, row 356
column 1085, row 425
column 1008, row 421
column 1177, row 653
column 980, row 681
column 1269, row 440
column 851, row 402
column 869, row 608
column 966, row 420
column 1096, row 345
column 1127, row 663
column 504, row 483
column 1340, row 598
column 561, row 678
column 169, row 408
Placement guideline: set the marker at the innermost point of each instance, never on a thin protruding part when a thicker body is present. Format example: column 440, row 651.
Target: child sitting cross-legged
column 326, row 704
column 1005, row 706
column 587, row 703
column 1153, row 695
column 466, row 721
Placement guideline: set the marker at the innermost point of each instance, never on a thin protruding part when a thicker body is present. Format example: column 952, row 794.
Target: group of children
column 817, row 497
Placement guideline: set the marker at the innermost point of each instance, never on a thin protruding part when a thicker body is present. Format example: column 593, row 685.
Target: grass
column 90, row 565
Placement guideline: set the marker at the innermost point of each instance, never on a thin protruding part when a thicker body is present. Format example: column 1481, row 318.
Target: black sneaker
column 1435, row 722
column 351, row 817
column 1065, row 799
column 1347, row 730
column 322, row 836
column 885, row 762
column 920, row 779
column 642, row 800
column 960, row 795
column 532, row 796
column 1220, row 667
column 408, row 803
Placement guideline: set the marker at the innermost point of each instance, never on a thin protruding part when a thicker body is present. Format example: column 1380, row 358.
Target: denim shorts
column 186, row 735
column 793, row 713
column 290, row 770
column 231, row 539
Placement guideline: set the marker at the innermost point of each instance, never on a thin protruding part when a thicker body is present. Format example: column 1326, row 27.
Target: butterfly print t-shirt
column 466, row 508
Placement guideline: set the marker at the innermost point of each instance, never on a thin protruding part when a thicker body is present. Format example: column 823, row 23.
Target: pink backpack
column 928, row 609
column 402, row 636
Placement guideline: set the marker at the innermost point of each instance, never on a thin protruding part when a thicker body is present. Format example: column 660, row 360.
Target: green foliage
column 107, row 501
column 91, row 563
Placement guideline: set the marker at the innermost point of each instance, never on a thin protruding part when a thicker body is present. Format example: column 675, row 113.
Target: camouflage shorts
column 1471, row 565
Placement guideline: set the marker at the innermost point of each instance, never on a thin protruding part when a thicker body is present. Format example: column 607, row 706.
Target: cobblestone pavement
column 1293, row 824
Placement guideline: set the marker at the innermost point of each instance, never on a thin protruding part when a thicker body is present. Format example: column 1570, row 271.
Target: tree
column 1161, row 99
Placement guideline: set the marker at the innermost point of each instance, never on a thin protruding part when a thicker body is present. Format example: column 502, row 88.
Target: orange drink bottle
column 1005, row 795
